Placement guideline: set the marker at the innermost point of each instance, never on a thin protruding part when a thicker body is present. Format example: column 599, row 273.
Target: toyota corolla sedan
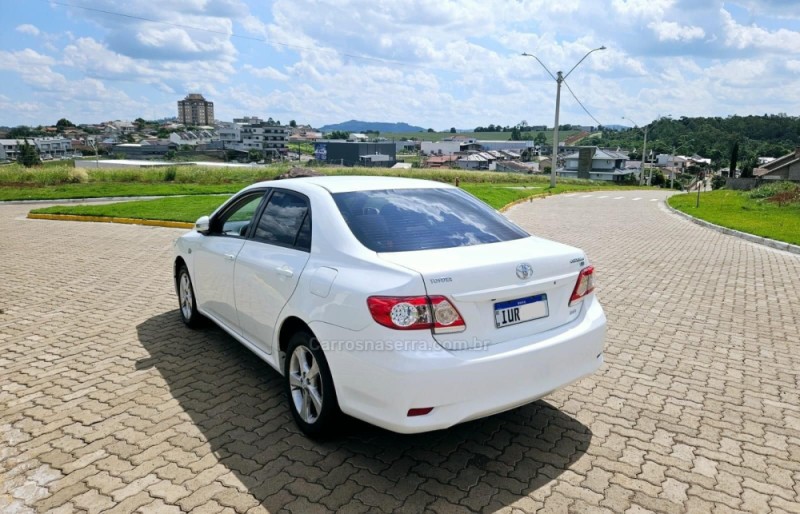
column 405, row 303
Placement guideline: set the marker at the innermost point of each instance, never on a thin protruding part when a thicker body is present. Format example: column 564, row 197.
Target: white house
column 48, row 147
column 597, row 164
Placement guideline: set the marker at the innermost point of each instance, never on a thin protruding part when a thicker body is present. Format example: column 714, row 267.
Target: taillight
column 416, row 312
column 584, row 285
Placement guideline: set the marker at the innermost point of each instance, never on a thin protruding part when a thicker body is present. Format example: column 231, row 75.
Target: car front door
column 215, row 258
column 269, row 265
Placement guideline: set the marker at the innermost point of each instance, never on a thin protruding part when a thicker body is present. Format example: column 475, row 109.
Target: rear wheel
column 186, row 300
column 309, row 387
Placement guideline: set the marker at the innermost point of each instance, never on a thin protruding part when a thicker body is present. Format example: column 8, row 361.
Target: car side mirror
column 203, row 225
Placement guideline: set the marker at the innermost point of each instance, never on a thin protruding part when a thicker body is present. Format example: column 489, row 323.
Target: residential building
column 48, row 147
column 304, row 134
column 193, row 138
column 477, row 161
column 517, row 146
column 119, row 127
column 449, row 146
column 786, row 167
column 229, row 133
column 195, row 110
column 148, row 150
column 349, row 153
column 250, row 120
column 440, row 161
column 591, row 162
column 266, row 137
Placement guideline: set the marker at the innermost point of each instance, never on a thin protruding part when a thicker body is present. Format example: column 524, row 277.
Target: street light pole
column 559, row 79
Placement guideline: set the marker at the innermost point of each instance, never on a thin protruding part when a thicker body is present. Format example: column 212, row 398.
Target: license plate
column 520, row 310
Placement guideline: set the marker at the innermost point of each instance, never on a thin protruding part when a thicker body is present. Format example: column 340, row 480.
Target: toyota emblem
column 524, row 271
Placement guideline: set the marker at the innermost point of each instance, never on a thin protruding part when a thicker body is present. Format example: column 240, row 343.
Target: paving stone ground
column 108, row 404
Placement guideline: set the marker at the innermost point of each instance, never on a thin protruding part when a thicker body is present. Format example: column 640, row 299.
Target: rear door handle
column 229, row 256
column 285, row 271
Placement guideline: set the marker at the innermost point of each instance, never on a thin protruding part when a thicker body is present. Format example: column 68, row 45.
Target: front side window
column 286, row 221
column 403, row 220
column 236, row 220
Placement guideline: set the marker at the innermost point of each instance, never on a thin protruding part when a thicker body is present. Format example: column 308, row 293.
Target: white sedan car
column 405, row 303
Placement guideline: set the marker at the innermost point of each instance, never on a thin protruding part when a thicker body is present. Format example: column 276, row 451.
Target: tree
column 293, row 124
column 431, row 130
column 140, row 123
column 254, row 155
column 515, row 135
column 338, row 134
column 540, row 139
column 452, row 130
column 734, row 158
column 28, row 155
column 748, row 165
column 20, row 132
column 64, row 123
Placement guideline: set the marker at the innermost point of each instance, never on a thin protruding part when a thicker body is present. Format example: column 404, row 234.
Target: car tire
column 309, row 388
column 186, row 300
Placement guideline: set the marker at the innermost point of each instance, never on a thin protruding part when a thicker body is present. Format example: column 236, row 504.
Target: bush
column 658, row 178
column 769, row 190
column 170, row 173
column 717, row 182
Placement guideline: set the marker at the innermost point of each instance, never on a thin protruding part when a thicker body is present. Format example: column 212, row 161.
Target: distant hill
column 363, row 126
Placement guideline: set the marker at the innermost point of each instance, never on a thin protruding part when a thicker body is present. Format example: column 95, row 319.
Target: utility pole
column 644, row 153
column 554, row 164
column 558, row 80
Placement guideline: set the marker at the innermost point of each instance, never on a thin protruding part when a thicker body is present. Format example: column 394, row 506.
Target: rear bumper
column 380, row 385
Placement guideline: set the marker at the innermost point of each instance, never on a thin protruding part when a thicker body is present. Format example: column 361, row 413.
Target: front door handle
column 229, row 256
column 285, row 271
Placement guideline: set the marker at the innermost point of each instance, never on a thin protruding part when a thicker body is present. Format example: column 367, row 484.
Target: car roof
column 343, row 184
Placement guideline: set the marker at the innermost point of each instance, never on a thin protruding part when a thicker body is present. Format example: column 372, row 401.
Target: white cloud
column 269, row 72
column 671, row 31
column 27, row 28
column 752, row 36
column 642, row 8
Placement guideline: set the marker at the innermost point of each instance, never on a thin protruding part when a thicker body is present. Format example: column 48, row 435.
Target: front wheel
column 309, row 386
column 186, row 300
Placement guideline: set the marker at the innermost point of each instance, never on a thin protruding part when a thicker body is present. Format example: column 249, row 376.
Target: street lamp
column 644, row 153
column 558, row 80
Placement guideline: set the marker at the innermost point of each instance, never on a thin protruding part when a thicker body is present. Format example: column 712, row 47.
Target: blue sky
column 433, row 63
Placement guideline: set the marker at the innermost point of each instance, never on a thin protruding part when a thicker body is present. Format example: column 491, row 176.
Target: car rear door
column 269, row 264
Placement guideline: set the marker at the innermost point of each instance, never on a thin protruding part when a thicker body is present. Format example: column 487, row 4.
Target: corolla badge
column 524, row 271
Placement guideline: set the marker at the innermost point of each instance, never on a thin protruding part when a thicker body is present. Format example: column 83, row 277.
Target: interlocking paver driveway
column 108, row 404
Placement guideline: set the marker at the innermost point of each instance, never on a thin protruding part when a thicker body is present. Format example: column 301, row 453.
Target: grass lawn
column 189, row 208
column 732, row 209
column 179, row 208
column 65, row 182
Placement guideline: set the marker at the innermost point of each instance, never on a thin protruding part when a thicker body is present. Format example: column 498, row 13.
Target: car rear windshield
column 403, row 220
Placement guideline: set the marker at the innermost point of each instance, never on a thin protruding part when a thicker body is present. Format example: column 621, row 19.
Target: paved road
column 108, row 404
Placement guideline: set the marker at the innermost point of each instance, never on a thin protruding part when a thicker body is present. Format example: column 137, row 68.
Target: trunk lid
column 503, row 291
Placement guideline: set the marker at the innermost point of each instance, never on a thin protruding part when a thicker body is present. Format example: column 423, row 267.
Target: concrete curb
column 507, row 206
column 765, row 241
column 106, row 219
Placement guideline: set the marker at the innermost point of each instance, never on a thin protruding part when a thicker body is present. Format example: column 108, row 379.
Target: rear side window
column 286, row 221
column 403, row 220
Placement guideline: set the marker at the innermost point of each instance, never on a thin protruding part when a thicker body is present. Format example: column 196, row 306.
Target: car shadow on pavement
column 237, row 403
